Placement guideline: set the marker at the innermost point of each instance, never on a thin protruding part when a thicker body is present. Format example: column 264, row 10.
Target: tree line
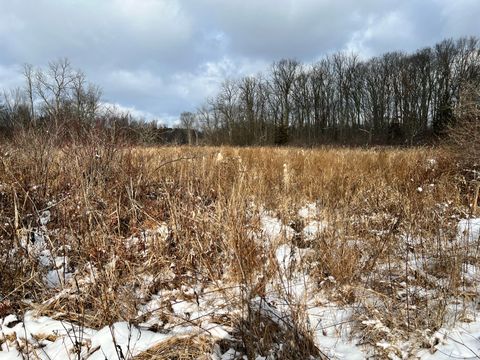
column 59, row 102
column 396, row 98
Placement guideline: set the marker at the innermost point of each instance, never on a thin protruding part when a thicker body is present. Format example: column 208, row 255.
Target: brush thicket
column 391, row 218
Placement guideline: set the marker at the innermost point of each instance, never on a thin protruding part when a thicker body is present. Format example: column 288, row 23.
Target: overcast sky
column 161, row 57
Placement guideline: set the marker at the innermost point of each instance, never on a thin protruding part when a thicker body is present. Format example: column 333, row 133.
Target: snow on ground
column 35, row 243
column 328, row 321
column 309, row 211
column 273, row 228
column 52, row 339
column 196, row 310
column 314, row 228
column 460, row 342
column 332, row 332
column 469, row 230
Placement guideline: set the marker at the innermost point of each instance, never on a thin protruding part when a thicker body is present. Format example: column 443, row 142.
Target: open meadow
column 239, row 180
column 231, row 253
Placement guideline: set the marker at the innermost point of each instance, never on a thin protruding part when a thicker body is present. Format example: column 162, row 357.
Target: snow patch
column 314, row 228
column 273, row 228
column 309, row 211
column 469, row 230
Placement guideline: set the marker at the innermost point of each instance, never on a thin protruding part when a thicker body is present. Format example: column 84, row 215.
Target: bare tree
column 85, row 97
column 394, row 98
column 16, row 109
column 284, row 73
column 187, row 121
column 28, row 73
column 52, row 88
column 227, row 105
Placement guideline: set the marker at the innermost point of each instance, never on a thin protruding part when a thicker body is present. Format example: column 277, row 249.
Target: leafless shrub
column 465, row 134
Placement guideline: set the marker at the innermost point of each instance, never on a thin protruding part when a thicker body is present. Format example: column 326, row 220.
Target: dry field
column 231, row 253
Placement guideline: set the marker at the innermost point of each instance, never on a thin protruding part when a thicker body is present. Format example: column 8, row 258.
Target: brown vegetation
column 391, row 228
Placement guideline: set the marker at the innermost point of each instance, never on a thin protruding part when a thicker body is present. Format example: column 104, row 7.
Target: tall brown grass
column 391, row 216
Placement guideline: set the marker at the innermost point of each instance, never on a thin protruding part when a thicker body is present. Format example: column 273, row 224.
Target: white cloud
column 10, row 77
column 116, row 108
column 137, row 81
column 205, row 81
column 119, row 109
column 381, row 34
column 461, row 17
column 166, row 56
column 179, row 91
column 302, row 28
column 94, row 32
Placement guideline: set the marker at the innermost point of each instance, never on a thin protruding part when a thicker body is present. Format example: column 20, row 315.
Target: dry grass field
column 226, row 253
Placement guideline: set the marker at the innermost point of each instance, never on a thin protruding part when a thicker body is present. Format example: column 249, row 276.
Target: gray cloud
column 159, row 57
